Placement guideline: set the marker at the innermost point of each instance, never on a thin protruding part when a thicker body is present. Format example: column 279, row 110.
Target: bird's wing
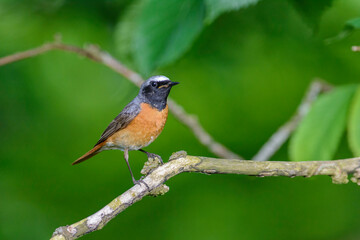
column 121, row 121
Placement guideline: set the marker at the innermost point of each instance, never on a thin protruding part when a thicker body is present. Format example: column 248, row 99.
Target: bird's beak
column 173, row 84
column 170, row 84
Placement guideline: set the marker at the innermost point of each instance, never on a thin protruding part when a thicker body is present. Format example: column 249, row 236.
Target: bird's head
column 155, row 90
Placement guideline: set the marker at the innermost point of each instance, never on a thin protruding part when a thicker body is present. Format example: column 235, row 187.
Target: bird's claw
column 154, row 156
column 141, row 181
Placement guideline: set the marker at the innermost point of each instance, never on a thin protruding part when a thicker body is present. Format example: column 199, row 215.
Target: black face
column 156, row 90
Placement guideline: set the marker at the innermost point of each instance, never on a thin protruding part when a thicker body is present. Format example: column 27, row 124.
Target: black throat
column 158, row 103
column 156, row 100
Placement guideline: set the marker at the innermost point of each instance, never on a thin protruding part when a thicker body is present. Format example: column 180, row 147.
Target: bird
column 138, row 124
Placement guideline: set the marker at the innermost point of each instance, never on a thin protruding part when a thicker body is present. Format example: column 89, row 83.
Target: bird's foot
column 158, row 191
column 154, row 156
column 140, row 181
column 152, row 163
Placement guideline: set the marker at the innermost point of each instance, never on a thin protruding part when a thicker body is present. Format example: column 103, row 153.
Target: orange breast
column 142, row 130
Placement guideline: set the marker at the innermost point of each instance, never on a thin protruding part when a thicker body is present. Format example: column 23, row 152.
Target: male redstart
column 139, row 123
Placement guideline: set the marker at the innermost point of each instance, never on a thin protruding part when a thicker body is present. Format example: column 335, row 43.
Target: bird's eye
column 154, row 84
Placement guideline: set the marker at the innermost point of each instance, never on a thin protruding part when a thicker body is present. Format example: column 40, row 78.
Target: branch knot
column 339, row 176
column 160, row 190
column 356, row 177
column 177, row 155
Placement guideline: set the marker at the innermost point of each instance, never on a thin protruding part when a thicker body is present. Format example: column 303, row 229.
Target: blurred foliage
column 311, row 11
column 243, row 75
column 320, row 132
column 162, row 37
column 215, row 8
column 353, row 124
column 350, row 26
column 155, row 33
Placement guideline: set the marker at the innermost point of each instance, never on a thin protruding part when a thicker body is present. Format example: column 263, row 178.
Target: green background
column 243, row 77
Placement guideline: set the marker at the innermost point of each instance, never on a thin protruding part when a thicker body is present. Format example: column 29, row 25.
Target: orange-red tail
column 89, row 154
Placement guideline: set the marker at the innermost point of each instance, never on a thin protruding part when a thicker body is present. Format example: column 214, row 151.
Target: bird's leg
column 126, row 156
column 152, row 155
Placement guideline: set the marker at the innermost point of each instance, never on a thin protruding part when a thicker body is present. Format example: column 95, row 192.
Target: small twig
column 94, row 53
column 283, row 133
column 180, row 162
column 355, row 48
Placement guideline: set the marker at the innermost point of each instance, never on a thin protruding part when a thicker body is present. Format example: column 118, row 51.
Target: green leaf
column 320, row 132
column 165, row 30
column 311, row 10
column 216, row 7
column 354, row 124
column 124, row 32
column 353, row 24
column 349, row 27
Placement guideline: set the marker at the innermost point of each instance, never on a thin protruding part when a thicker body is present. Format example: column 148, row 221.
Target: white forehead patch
column 159, row 78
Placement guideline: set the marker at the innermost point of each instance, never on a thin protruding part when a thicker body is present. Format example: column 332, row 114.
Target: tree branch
column 96, row 54
column 179, row 162
column 283, row 133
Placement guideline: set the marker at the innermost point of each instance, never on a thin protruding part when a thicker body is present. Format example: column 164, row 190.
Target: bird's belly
column 142, row 130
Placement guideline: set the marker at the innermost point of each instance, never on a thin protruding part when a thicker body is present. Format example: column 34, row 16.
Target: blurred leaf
column 311, row 10
column 320, row 132
column 166, row 29
column 216, row 7
column 349, row 27
column 353, row 24
column 354, row 125
column 124, row 32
